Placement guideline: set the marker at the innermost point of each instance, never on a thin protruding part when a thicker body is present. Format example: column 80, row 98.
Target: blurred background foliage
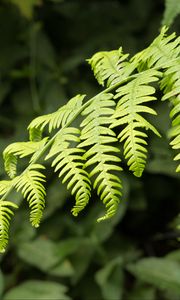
column 135, row 255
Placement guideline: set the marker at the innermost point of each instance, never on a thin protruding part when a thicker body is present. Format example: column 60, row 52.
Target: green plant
column 89, row 153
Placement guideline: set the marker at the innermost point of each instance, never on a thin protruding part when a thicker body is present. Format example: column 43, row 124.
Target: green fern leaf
column 5, row 216
column 171, row 85
column 31, row 184
column 171, row 80
column 35, row 134
column 69, row 162
column 21, row 149
column 59, row 118
column 10, row 165
column 96, row 135
column 131, row 97
column 110, row 66
column 160, row 53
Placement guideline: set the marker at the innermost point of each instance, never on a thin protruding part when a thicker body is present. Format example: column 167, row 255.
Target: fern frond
column 69, row 162
column 95, row 147
column 110, row 66
column 158, row 55
column 5, row 216
column 10, row 165
column 59, row 118
column 96, row 135
column 132, row 98
column 171, row 85
column 31, row 185
column 171, row 79
column 21, row 149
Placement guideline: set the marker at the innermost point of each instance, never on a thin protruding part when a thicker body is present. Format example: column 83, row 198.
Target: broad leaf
column 162, row 273
column 37, row 289
column 110, row 279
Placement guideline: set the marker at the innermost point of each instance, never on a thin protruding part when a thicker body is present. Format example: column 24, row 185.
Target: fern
column 30, row 183
column 132, row 97
column 5, row 216
column 111, row 66
column 88, row 156
column 96, row 135
column 21, row 149
column 69, row 162
column 172, row 92
column 56, row 119
column 160, row 54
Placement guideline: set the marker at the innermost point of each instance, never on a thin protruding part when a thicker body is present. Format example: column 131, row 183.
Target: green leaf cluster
column 87, row 156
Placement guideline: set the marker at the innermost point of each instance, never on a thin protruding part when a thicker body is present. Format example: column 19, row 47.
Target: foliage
column 157, row 63
column 42, row 64
column 5, row 216
column 160, row 272
column 41, row 290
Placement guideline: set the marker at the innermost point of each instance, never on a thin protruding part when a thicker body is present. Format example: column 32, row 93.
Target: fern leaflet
column 57, row 119
column 110, row 66
column 31, row 184
column 21, row 149
column 70, row 163
column 158, row 55
column 132, row 97
column 171, row 85
column 96, row 135
column 5, row 216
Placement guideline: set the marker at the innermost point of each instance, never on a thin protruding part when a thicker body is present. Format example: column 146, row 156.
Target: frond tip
column 21, row 149
column 5, row 216
column 88, row 156
column 31, row 184
column 171, row 86
column 56, row 119
column 132, row 98
column 110, row 66
column 101, row 154
column 69, row 162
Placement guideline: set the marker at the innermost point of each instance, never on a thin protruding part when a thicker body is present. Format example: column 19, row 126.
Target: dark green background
column 135, row 255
